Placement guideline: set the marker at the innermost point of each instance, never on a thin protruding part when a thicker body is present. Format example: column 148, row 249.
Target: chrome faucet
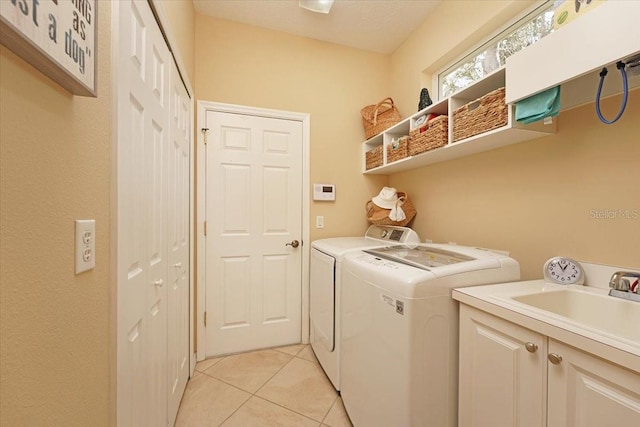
column 622, row 287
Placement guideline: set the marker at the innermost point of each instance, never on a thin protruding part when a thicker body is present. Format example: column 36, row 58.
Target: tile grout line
column 254, row 394
column 221, row 358
column 237, row 409
column 288, row 409
column 235, row 386
column 284, row 407
column 276, row 373
column 330, row 408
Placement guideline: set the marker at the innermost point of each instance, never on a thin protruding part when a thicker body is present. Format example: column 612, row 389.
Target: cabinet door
column 502, row 373
column 587, row 391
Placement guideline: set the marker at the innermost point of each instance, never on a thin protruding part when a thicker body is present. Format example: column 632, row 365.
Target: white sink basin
column 615, row 316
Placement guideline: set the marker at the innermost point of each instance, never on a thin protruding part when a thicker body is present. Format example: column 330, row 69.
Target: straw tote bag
column 380, row 216
column 376, row 118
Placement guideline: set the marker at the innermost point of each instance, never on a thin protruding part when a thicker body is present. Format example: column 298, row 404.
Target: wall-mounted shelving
column 511, row 133
column 573, row 56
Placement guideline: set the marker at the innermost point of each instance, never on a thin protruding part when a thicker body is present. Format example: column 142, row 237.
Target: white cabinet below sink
column 584, row 390
column 500, row 381
column 510, row 375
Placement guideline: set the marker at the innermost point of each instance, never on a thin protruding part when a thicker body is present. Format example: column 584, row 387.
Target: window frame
column 495, row 37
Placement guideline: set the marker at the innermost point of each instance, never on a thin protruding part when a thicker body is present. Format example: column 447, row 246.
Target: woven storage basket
column 433, row 134
column 398, row 150
column 376, row 118
column 373, row 158
column 379, row 216
column 482, row 115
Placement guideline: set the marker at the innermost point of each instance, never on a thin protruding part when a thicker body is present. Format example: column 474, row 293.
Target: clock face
column 563, row 270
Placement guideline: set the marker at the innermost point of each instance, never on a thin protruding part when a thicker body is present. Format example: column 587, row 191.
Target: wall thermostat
column 324, row 192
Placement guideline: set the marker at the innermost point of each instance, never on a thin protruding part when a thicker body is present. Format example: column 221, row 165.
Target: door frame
column 208, row 106
column 165, row 27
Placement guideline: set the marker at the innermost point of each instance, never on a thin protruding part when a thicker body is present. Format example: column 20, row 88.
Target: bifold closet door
column 178, row 244
column 151, row 222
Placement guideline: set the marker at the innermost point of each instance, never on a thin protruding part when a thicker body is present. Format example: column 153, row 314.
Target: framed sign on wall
column 58, row 37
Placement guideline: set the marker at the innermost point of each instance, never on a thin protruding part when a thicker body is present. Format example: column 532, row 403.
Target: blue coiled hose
column 625, row 93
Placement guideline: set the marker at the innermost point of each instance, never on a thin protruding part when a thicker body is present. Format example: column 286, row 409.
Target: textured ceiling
column 374, row 25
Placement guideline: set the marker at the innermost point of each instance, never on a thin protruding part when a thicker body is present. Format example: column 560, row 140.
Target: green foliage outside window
column 494, row 54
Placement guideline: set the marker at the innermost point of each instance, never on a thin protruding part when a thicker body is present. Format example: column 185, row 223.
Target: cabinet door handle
column 531, row 347
column 158, row 283
column 554, row 358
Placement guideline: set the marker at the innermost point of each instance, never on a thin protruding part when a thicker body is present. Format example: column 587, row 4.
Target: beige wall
column 449, row 32
column 55, row 167
column 181, row 15
column 539, row 198
column 241, row 64
column 542, row 198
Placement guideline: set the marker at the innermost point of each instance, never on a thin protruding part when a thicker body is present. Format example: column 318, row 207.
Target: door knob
column 294, row 244
column 554, row 358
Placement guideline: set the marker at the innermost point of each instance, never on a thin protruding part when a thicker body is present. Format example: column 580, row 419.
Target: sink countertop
column 497, row 300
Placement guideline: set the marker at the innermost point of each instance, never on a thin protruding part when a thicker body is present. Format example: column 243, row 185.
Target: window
column 494, row 53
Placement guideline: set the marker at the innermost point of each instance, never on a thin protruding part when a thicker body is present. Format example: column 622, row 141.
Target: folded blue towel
column 539, row 106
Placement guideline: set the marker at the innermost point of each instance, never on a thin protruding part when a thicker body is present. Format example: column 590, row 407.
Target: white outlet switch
column 85, row 244
column 319, row 222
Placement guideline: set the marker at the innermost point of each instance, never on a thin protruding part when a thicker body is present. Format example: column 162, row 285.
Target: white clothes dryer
column 324, row 294
column 399, row 355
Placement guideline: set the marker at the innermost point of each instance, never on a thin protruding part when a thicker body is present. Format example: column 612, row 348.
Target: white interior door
column 178, row 247
column 253, row 210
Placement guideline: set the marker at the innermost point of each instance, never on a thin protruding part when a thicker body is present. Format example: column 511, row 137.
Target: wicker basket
column 373, row 158
column 482, row 115
column 398, row 150
column 433, row 134
column 379, row 216
column 376, row 118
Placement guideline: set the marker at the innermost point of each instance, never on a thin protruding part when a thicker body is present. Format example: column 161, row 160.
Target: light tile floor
column 284, row 386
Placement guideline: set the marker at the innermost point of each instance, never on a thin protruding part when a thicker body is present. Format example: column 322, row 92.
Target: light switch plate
column 319, row 221
column 85, row 245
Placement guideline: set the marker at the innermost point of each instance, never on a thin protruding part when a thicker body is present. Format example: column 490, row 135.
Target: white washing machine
column 399, row 355
column 324, row 304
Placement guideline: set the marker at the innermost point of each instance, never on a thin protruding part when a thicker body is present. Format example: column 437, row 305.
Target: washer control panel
column 392, row 233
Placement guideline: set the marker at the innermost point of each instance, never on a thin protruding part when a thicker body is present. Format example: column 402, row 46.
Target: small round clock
column 564, row 271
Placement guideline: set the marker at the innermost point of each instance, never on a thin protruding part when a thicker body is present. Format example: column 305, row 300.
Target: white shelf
column 483, row 86
column 491, row 140
column 511, row 133
column 573, row 56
